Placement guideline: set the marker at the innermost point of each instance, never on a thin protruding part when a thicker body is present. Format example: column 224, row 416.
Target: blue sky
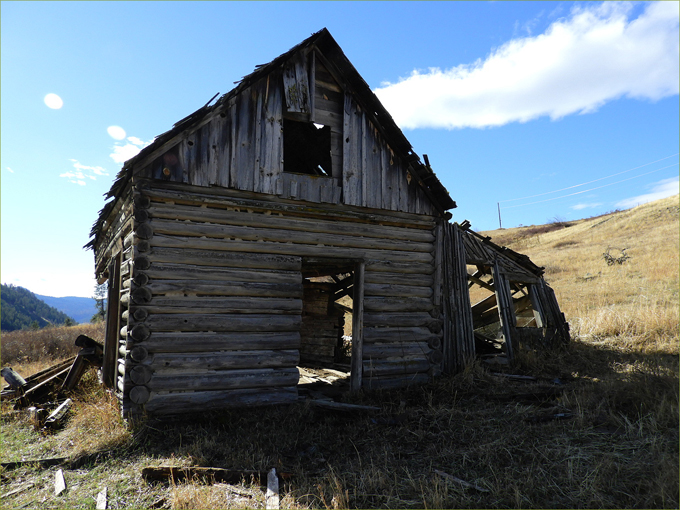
column 508, row 99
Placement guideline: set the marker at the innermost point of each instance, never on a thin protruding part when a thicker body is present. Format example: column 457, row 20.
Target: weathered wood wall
column 212, row 295
column 241, row 147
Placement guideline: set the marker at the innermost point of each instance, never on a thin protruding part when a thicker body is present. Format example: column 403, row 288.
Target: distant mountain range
column 20, row 309
column 80, row 308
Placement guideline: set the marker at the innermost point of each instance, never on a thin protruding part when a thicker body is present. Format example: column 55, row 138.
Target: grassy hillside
column 597, row 429
column 635, row 303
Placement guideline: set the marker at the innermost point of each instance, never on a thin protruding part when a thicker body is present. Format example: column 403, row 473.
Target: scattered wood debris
column 59, row 482
column 101, row 499
column 50, row 387
column 272, row 496
column 457, row 480
column 22, row 488
column 207, row 474
column 58, row 415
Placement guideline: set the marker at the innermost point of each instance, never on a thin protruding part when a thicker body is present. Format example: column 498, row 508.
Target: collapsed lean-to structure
column 291, row 223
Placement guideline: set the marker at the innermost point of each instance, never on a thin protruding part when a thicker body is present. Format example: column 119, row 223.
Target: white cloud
column 53, row 101
column 578, row 207
column 662, row 189
column 121, row 153
column 596, row 54
column 10, row 170
column 82, row 172
column 116, row 132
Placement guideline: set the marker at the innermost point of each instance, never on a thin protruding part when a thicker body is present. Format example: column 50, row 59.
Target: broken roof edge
column 518, row 258
column 326, row 44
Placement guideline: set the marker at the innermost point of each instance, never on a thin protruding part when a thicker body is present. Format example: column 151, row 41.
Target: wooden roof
column 351, row 81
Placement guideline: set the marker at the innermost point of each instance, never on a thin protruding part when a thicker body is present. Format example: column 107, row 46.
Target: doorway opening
column 327, row 339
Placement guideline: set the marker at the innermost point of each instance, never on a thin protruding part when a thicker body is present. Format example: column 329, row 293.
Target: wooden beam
column 357, row 327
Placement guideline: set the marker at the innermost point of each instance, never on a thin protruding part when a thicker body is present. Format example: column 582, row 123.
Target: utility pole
column 500, row 225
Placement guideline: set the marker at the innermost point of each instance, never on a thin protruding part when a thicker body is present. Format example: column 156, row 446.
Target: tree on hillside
column 100, row 294
column 21, row 309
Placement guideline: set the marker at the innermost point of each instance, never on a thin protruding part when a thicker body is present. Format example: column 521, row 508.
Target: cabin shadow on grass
column 598, row 428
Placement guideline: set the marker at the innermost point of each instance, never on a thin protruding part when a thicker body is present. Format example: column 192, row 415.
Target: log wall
column 212, row 308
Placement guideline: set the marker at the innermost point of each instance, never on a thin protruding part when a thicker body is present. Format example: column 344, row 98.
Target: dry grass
column 618, row 380
column 29, row 351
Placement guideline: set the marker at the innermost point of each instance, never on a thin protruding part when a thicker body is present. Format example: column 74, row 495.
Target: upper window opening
column 307, row 148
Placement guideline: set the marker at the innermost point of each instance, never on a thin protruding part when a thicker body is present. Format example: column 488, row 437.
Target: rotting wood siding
column 241, row 147
column 215, row 296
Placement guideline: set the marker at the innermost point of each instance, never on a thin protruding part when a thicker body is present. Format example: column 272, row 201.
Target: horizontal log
column 387, row 266
column 138, row 314
column 400, row 320
column 435, row 356
column 414, row 334
column 289, row 248
column 183, row 193
column 223, row 322
column 139, row 353
column 377, row 289
column 201, row 401
column 207, row 342
column 385, row 278
column 169, row 271
column 389, row 382
column 387, row 304
column 203, row 361
column 393, row 366
column 140, row 374
column 240, row 218
column 212, row 305
column 225, row 259
column 139, row 394
column 280, row 235
column 209, row 287
column 393, row 350
column 227, row 379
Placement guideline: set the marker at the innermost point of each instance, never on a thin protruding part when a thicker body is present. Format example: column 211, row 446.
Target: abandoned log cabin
column 289, row 224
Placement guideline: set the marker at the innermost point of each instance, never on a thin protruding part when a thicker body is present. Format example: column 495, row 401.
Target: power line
column 589, row 182
column 591, row 189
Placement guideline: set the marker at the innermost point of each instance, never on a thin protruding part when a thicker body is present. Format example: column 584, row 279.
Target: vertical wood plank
column 506, row 309
column 357, row 327
column 364, row 158
column 352, row 162
column 233, row 168
column 439, row 232
column 312, row 85
column 215, row 150
column 110, row 363
column 245, row 139
column 258, row 127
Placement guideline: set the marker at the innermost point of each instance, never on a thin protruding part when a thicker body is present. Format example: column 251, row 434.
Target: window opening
column 489, row 341
column 307, row 148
